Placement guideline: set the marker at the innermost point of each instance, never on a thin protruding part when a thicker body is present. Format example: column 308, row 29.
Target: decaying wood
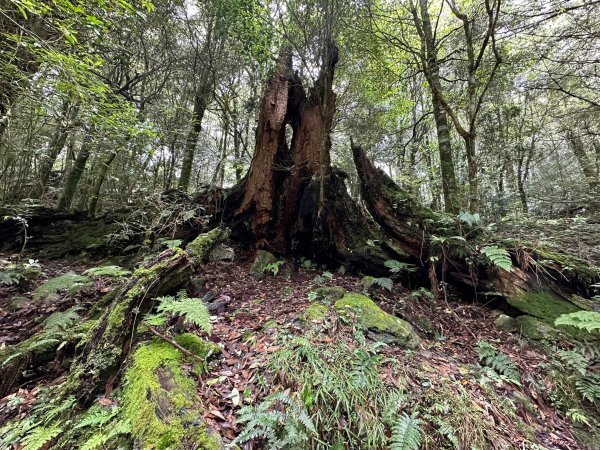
column 109, row 341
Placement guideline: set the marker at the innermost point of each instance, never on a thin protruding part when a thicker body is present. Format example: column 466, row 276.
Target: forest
column 300, row 224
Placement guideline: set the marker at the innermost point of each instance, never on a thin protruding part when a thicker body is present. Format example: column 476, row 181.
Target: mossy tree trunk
column 74, row 175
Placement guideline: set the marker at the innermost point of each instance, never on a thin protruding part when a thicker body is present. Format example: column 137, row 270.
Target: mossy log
column 161, row 402
column 110, row 340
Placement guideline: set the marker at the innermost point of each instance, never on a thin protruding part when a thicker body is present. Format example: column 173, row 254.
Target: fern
column 501, row 363
column 589, row 387
column 584, row 320
column 397, row 266
column 281, row 421
column 577, row 416
column 99, row 440
column 192, row 309
column 97, row 416
column 382, row 282
column 40, row 436
column 60, row 321
column 108, row 271
column 498, row 257
column 575, row 360
column 407, row 433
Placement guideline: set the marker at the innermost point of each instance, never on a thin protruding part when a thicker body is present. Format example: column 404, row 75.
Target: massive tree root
column 533, row 286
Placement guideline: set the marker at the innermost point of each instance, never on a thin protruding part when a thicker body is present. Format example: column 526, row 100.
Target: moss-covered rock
column 222, row 253
column 201, row 247
column 536, row 330
column 330, row 293
column 314, row 313
column 262, row 259
column 384, row 326
column 161, row 402
column 542, row 305
column 69, row 282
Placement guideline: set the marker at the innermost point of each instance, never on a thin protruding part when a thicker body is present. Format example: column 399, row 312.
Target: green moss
column 201, row 247
column 385, row 327
column 568, row 263
column 69, row 282
column 536, row 330
column 161, row 402
column 330, row 293
column 315, row 312
column 197, row 345
column 542, row 305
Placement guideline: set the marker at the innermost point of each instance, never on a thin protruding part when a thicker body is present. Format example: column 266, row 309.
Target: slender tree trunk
column 74, row 175
column 432, row 69
column 472, row 170
column 59, row 139
column 95, row 193
column 200, row 104
column 449, row 186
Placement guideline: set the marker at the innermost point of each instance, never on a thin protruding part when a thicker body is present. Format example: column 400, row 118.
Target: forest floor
column 261, row 314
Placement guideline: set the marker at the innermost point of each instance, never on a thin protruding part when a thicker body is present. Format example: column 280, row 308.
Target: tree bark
column 57, row 143
column 292, row 200
column 431, row 67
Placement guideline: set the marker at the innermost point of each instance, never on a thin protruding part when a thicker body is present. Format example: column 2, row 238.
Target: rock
column 536, row 330
column 261, row 261
column 542, row 305
column 222, row 253
column 506, row 323
column 330, row 293
column 314, row 313
column 382, row 326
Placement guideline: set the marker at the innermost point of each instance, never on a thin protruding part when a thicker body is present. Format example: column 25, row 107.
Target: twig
column 174, row 344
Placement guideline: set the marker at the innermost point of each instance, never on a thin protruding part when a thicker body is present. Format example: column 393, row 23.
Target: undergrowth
column 340, row 387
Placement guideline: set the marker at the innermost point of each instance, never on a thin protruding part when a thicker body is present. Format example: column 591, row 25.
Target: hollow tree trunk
column 292, row 200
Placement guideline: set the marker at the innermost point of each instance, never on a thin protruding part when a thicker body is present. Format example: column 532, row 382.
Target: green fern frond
column 60, row 321
column 107, row 271
column 192, row 309
column 574, row 359
column 40, row 436
column 500, row 362
column 498, row 257
column 584, row 320
column 407, row 433
column 97, row 416
column 99, row 440
column 280, row 420
column 589, row 387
